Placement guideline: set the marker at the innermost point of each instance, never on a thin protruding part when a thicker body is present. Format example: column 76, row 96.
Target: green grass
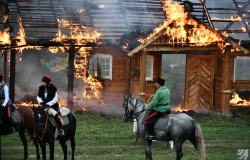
column 107, row 137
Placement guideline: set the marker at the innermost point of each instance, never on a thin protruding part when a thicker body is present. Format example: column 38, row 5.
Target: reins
column 136, row 114
column 41, row 138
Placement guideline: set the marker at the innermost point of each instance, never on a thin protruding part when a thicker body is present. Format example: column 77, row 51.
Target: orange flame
column 101, row 6
column 179, row 109
column 199, row 35
column 80, row 10
column 233, row 19
column 5, row 37
column 237, row 101
column 125, row 46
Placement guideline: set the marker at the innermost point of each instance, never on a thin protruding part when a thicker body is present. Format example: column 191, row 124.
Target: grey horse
column 178, row 128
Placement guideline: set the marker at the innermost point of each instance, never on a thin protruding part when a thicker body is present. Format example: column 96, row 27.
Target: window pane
column 107, row 60
column 242, row 66
column 103, row 74
column 148, row 67
column 103, row 60
column 107, row 73
column 107, row 67
column 103, row 67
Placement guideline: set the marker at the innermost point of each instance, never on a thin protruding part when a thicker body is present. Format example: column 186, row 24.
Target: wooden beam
column 170, row 47
column 147, row 42
column 226, row 38
column 5, row 65
column 226, row 84
column 71, row 76
column 208, row 16
column 143, row 75
column 12, row 73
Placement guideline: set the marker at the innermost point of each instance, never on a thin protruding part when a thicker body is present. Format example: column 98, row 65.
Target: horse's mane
column 37, row 109
column 138, row 100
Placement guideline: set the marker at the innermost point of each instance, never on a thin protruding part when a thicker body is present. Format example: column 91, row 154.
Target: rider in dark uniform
column 47, row 97
column 158, row 106
column 5, row 104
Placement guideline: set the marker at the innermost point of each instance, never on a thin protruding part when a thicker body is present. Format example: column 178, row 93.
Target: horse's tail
column 199, row 140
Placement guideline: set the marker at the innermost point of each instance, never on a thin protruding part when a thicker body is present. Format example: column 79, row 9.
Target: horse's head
column 128, row 109
column 40, row 118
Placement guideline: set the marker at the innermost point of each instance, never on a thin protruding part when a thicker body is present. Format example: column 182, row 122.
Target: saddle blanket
column 162, row 122
column 15, row 117
column 64, row 120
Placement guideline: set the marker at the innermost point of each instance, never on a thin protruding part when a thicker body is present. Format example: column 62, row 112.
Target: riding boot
column 12, row 129
column 59, row 123
column 150, row 134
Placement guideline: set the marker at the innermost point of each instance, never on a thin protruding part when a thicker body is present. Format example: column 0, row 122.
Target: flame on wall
column 199, row 35
column 237, row 101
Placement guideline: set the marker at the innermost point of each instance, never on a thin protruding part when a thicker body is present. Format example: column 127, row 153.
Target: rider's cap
column 160, row 81
column 1, row 77
column 46, row 79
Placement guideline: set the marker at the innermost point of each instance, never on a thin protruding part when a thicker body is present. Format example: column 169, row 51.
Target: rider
column 158, row 106
column 5, row 102
column 47, row 95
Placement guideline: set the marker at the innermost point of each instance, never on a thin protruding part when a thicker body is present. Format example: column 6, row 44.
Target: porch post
column 143, row 75
column 71, row 76
column 12, row 73
column 226, row 92
column 5, row 65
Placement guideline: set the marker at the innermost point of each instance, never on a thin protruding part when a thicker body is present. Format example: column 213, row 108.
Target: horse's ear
column 125, row 97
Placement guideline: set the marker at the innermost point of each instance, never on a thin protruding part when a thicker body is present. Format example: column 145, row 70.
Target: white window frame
column 150, row 78
column 106, row 56
column 239, row 57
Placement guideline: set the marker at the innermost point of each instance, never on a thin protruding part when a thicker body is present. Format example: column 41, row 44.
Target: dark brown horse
column 27, row 123
column 45, row 133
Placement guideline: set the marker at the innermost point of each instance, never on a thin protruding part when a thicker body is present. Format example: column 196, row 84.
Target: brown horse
column 27, row 122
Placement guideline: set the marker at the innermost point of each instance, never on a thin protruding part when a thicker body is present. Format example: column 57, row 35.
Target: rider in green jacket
column 159, row 106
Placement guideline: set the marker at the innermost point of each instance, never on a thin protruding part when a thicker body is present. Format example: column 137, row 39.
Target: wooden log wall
column 219, row 79
column 114, row 89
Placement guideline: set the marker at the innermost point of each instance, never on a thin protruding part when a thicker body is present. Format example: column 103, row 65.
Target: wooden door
column 199, row 82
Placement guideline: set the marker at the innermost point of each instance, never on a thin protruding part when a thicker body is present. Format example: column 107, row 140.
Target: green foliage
column 108, row 137
column 135, row 72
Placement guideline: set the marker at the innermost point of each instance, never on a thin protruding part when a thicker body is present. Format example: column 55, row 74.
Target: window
column 241, row 67
column 100, row 66
column 149, row 68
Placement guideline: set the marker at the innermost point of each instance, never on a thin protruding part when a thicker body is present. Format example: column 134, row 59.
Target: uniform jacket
column 161, row 98
column 51, row 94
column 3, row 99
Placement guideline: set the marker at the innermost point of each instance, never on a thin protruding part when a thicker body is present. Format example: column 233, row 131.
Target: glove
column 42, row 103
column 47, row 106
column 15, row 107
column 2, row 106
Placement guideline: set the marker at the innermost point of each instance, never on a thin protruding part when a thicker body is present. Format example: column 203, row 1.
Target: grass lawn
column 108, row 137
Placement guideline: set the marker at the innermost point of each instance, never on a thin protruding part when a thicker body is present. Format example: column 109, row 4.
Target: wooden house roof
column 113, row 18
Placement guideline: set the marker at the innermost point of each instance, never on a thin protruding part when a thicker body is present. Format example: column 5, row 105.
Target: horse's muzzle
column 125, row 118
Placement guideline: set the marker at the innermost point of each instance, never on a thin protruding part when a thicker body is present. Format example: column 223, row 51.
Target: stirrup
column 61, row 132
column 149, row 137
column 34, row 134
column 12, row 130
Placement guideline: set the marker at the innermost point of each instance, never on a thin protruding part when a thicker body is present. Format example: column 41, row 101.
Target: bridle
column 44, row 125
column 130, row 117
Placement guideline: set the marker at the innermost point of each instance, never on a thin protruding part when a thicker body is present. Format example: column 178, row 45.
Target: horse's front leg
column 64, row 147
column 51, row 148
column 147, row 144
column 43, row 147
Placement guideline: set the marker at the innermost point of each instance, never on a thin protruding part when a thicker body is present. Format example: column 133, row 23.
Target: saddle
column 63, row 115
column 165, row 115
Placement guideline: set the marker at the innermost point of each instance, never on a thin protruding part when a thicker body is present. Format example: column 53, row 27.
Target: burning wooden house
column 98, row 32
